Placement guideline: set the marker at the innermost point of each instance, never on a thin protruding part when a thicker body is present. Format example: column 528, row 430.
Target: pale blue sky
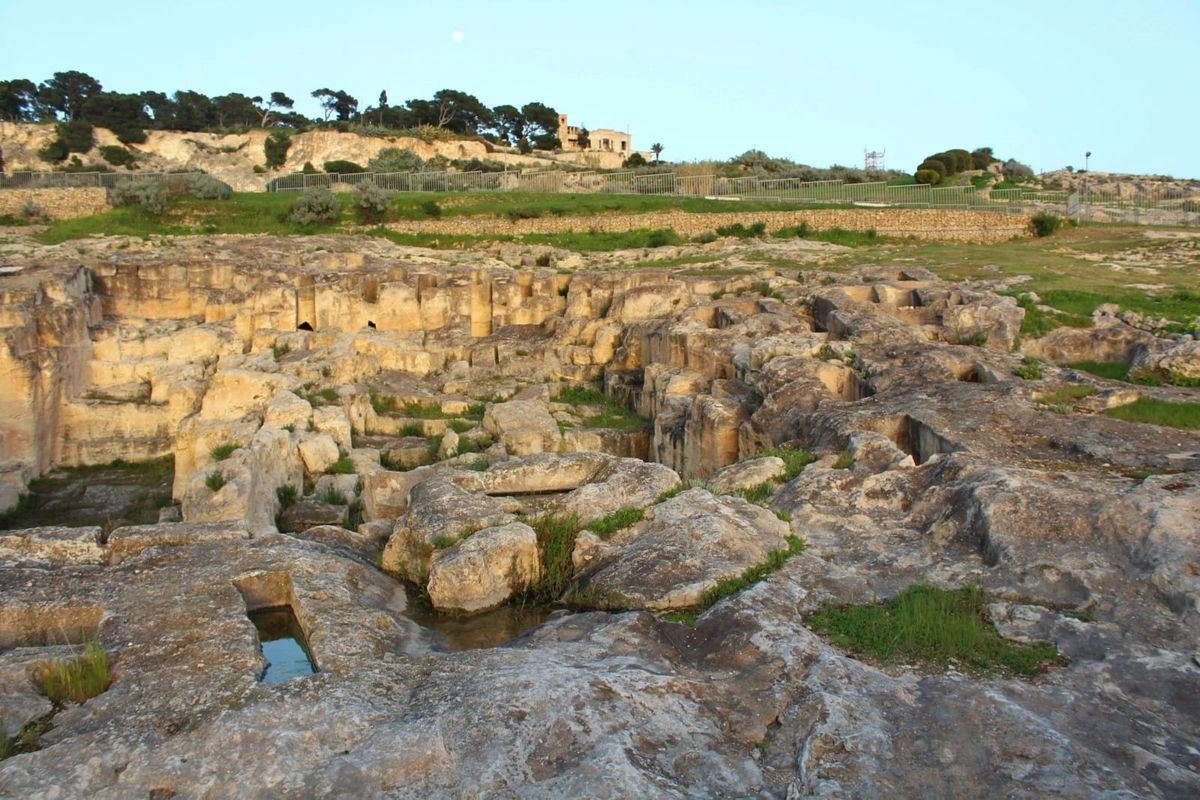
column 812, row 81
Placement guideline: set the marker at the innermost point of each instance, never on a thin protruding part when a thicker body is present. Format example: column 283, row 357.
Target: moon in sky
column 457, row 36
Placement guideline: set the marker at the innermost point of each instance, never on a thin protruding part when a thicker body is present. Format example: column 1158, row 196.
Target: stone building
column 605, row 140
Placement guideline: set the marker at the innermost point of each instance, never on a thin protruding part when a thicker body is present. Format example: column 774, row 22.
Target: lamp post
column 1087, row 154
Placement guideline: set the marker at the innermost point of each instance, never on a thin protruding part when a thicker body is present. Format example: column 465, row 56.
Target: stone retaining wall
column 922, row 223
column 55, row 203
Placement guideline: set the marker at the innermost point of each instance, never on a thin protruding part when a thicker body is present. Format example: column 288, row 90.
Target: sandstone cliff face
column 232, row 157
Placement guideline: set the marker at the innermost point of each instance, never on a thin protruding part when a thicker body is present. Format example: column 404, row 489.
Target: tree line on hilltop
column 77, row 102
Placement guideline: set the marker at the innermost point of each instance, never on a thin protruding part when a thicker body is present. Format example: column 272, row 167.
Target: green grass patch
column 1067, row 395
column 383, row 404
column 935, row 627
column 752, row 575
column 280, row 350
column 845, row 238
column 759, row 494
column 556, row 541
column 1112, row 370
column 1159, row 412
column 214, row 481
column 343, row 466
column 605, row 527
column 1030, row 369
column 75, row 680
column 223, row 451
column 845, row 460
column 617, row 419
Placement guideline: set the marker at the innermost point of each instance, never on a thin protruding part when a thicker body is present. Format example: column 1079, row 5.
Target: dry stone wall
column 918, row 223
column 55, row 203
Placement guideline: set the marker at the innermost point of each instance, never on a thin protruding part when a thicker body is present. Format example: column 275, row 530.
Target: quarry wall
column 55, row 203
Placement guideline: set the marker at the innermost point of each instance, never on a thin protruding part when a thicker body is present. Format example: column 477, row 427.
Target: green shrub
column 77, row 679
column 759, row 494
column 54, row 151
column 76, row 135
column 661, row 237
column 395, row 159
column 314, row 207
column 118, row 156
column 154, row 194
column 214, row 481
column 342, row 167
column 223, row 451
column 370, row 203
column 276, row 147
column 930, row 176
column 309, row 169
column 280, row 350
column 932, row 626
column 740, row 231
column 794, row 460
column 286, row 495
column 431, row 209
column 1045, row 223
column 556, row 541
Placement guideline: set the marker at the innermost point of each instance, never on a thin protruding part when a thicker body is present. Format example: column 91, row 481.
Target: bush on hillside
column 928, row 176
column 76, row 135
column 341, row 167
column 275, row 148
column 371, row 203
column 153, row 194
column 1045, row 224
column 118, row 156
column 314, row 207
column 395, row 159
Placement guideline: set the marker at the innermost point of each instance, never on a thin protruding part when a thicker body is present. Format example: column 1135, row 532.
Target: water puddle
column 283, row 644
column 479, row 631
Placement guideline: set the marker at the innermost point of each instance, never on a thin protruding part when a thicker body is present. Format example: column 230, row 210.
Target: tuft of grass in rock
column 1159, row 412
column 334, row 497
column 460, row 425
column 214, row 481
column 286, row 495
column 75, row 680
column 605, row 527
column 412, row 429
column 478, row 465
column 280, row 350
column 383, row 404
column 759, row 494
column 1030, row 369
column 328, row 394
column 794, row 460
column 752, row 575
column 575, row 395
column 844, row 461
column 223, row 451
column 343, row 466
column 556, row 540
column 932, row 626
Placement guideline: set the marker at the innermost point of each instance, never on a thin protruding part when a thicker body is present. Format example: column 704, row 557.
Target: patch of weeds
column 844, row 461
column 759, row 494
column 286, row 495
column 669, row 493
column 420, row 411
column 467, row 446
column 764, row 288
column 214, row 481
column 478, row 465
column 784, row 516
column 717, row 295
column 827, row 353
column 605, row 527
column 223, row 451
column 577, row 395
column 556, row 541
column 1065, row 396
column 75, row 680
column 976, row 339
column 563, row 427
column 794, row 460
column 280, row 350
column 936, row 627
column 618, row 419
column 354, row 515
column 460, row 425
column 412, row 429
column 737, row 230
column 1159, row 412
column 1030, row 369
column 343, row 466
column 383, row 404
column 334, row 497
column 845, row 238
column 752, row 575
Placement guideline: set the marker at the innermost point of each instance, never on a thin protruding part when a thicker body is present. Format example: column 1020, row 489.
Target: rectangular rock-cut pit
column 271, row 605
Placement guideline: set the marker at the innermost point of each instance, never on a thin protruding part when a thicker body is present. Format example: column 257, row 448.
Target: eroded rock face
column 934, row 464
column 691, row 542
